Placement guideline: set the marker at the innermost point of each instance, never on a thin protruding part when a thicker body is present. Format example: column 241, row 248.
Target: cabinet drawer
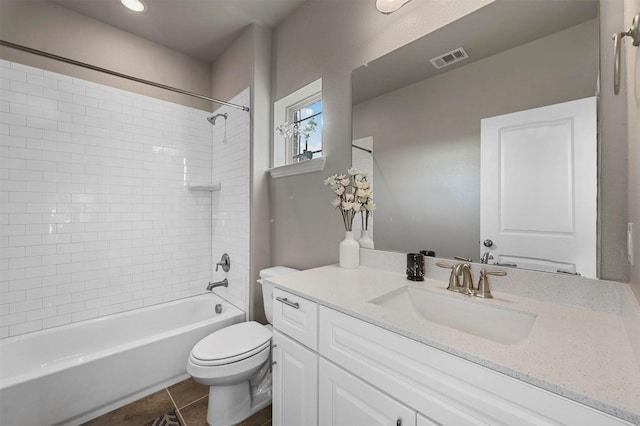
column 296, row 316
column 445, row 388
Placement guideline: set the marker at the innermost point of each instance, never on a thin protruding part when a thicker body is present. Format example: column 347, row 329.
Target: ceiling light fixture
column 389, row 6
column 135, row 5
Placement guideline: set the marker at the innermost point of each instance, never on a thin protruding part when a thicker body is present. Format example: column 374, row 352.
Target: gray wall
column 427, row 136
column 55, row 29
column 328, row 39
column 612, row 156
column 247, row 63
column 632, row 83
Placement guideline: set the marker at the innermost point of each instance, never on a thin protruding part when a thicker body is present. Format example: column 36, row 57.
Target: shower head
column 212, row 119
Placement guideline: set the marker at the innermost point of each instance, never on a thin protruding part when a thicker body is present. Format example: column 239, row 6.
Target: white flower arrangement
column 289, row 130
column 353, row 195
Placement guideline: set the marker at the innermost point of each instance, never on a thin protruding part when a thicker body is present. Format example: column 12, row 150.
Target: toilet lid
column 232, row 343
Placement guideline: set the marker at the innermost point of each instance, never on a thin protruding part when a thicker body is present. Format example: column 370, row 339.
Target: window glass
column 298, row 126
column 307, row 141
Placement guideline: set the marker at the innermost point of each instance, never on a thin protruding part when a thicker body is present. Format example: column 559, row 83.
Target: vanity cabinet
column 443, row 388
column 295, row 360
column 334, row 369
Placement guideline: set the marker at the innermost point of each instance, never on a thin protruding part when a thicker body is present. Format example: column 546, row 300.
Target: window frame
column 281, row 149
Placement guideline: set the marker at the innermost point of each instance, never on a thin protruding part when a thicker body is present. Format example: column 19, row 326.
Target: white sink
column 477, row 317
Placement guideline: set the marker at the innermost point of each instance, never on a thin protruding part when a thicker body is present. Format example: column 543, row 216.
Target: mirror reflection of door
column 538, row 188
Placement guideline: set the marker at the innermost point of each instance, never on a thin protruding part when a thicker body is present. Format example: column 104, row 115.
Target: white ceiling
column 199, row 28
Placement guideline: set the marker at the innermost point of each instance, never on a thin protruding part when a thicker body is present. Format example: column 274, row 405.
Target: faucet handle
column 483, row 291
column 454, row 280
column 225, row 262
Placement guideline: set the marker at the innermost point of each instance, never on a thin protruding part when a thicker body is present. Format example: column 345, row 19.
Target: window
column 298, row 126
column 306, row 141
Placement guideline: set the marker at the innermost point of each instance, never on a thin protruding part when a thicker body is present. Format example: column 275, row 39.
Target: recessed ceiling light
column 135, row 5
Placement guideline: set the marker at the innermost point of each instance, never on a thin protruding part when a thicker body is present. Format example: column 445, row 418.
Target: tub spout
column 223, row 283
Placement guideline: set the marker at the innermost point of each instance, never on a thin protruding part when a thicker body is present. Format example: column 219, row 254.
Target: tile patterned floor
column 188, row 398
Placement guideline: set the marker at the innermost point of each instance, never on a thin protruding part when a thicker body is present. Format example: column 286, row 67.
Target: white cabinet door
column 295, row 383
column 346, row 400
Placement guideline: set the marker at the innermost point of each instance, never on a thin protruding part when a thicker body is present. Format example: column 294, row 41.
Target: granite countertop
column 581, row 354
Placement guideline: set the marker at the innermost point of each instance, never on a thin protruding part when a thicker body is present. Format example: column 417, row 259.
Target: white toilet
column 235, row 363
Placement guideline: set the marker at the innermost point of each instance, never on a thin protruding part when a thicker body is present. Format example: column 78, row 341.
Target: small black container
column 429, row 253
column 415, row 267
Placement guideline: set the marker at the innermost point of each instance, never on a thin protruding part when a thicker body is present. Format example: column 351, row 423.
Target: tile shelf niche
column 201, row 186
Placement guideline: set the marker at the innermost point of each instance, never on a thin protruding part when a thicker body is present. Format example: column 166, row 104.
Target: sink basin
column 477, row 317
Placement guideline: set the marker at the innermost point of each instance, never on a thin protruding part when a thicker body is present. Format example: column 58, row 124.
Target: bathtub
column 70, row 374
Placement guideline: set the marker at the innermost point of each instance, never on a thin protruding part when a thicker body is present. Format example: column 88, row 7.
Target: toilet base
column 231, row 404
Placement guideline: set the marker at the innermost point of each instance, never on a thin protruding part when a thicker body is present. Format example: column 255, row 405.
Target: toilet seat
column 231, row 344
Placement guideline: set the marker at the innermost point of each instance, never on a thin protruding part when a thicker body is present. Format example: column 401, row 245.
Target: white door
column 295, row 383
column 346, row 400
column 538, row 187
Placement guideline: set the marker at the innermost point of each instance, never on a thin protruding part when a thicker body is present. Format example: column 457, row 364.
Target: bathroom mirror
column 422, row 124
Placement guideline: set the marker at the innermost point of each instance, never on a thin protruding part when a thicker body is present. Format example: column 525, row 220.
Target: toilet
column 235, row 363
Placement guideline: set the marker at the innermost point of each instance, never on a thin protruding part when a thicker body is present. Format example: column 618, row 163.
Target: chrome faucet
column 467, row 288
column 223, row 283
column 460, row 269
column 464, row 269
column 486, row 257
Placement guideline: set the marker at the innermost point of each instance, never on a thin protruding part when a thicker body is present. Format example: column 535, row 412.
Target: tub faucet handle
column 225, row 262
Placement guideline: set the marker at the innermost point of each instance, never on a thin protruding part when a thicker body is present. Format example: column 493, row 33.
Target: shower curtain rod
column 118, row 74
column 361, row 148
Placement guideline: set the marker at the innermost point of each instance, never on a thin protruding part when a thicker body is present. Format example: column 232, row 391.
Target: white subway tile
column 118, row 175
column 25, row 327
column 13, row 74
column 24, row 88
column 41, row 80
column 41, row 271
column 26, row 284
column 21, row 130
column 56, row 321
column 24, row 306
column 41, row 314
column 71, row 87
column 11, row 96
column 26, row 68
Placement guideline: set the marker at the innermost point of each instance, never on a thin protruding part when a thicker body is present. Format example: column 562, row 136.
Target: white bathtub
column 70, row 374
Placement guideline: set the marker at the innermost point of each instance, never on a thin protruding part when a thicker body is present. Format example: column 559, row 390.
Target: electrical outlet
column 630, row 254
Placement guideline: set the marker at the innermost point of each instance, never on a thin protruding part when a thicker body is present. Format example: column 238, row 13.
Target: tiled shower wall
column 95, row 215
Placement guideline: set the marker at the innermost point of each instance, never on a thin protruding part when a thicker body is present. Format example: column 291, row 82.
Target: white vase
column 349, row 252
column 365, row 240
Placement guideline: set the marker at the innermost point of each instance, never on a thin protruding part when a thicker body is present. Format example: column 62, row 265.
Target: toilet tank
column 267, row 289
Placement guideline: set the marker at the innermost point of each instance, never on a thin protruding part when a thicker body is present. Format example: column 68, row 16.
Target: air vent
column 449, row 58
